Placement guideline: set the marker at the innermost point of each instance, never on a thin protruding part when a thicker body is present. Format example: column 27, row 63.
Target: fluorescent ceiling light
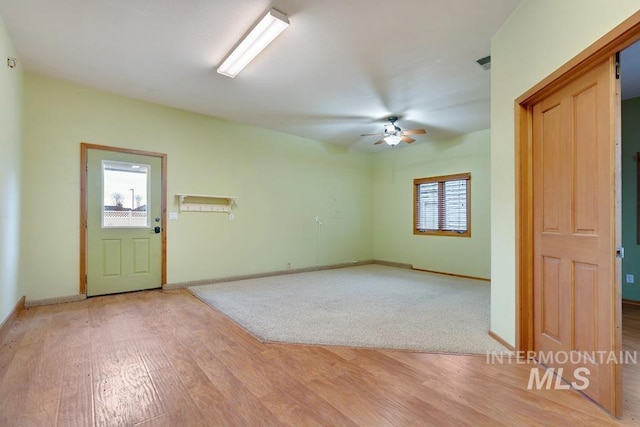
column 263, row 33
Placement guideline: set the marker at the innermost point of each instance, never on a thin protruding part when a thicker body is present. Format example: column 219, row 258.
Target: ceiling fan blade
column 371, row 134
column 380, row 141
column 407, row 139
column 415, row 132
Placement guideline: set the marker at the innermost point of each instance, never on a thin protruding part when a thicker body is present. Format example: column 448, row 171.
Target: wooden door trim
column 524, row 227
column 84, row 148
column 622, row 36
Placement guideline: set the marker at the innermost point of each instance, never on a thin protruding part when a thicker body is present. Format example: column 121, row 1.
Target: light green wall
column 539, row 37
column 630, row 147
column 394, row 172
column 282, row 182
column 11, row 96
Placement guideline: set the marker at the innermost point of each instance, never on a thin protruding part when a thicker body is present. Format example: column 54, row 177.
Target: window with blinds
column 441, row 205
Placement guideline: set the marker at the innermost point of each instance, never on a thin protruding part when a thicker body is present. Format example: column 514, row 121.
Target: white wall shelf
column 205, row 203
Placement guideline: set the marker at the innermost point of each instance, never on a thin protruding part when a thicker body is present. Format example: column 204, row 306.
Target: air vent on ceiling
column 485, row 62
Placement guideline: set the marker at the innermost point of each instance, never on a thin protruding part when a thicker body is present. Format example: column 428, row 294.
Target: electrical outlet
column 630, row 278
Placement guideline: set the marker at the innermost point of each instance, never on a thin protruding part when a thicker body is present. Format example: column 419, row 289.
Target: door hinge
column 85, row 279
column 618, row 66
column 620, row 252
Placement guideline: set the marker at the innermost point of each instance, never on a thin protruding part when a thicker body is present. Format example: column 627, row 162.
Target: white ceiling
column 338, row 71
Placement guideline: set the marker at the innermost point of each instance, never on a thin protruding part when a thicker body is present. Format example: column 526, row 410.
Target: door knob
column 156, row 229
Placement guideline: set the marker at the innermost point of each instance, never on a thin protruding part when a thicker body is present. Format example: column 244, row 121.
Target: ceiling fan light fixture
column 393, row 135
column 270, row 26
column 392, row 140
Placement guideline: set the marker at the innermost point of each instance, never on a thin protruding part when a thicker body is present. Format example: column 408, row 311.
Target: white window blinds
column 455, row 205
column 429, row 206
column 441, row 204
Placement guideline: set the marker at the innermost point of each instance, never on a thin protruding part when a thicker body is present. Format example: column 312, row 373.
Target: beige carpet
column 367, row 306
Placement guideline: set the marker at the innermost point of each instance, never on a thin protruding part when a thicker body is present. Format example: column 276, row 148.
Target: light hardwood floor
column 163, row 358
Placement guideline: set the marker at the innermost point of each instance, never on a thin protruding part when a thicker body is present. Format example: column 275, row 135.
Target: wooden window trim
column 441, row 180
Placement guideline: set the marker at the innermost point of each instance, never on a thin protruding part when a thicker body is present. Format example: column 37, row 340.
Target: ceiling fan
column 392, row 134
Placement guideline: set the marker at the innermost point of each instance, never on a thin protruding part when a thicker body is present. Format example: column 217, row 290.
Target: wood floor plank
column 31, row 387
column 151, row 354
column 200, row 388
column 30, row 407
column 180, row 408
column 21, row 369
column 256, row 373
column 126, row 399
column 234, row 392
column 76, row 398
column 301, row 406
column 111, row 358
column 306, row 363
column 362, row 406
column 38, row 325
column 285, row 395
column 50, row 366
column 10, row 345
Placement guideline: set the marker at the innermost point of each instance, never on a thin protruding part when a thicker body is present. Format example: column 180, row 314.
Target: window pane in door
column 125, row 189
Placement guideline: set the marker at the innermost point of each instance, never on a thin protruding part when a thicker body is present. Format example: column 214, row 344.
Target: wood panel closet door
column 574, row 199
